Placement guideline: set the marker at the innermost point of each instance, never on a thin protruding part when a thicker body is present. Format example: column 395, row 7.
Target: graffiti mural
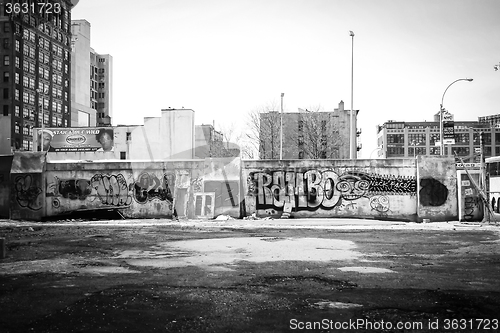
column 74, row 188
column 433, row 192
column 473, row 209
column 380, row 203
column 28, row 192
column 327, row 189
column 149, row 187
column 111, row 189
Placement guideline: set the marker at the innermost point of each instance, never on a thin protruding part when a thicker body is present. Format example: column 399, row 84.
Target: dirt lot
column 155, row 277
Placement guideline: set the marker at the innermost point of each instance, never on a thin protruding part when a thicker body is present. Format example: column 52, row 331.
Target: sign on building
column 83, row 139
column 448, row 129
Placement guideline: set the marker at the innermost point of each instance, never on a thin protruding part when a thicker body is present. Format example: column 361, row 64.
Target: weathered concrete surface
column 437, row 189
column 5, row 166
column 246, row 276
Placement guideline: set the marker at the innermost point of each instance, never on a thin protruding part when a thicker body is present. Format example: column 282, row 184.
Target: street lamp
column 441, row 115
column 352, row 130
column 415, row 143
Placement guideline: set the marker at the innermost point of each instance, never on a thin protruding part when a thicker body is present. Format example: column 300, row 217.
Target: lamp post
column 481, row 157
column 281, row 127
column 441, row 115
column 415, row 143
column 352, row 130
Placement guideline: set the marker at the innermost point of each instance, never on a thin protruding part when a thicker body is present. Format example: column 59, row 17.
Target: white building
column 91, row 80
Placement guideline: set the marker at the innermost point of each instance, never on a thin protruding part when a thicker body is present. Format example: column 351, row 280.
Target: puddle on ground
column 334, row 305
column 367, row 270
column 223, row 251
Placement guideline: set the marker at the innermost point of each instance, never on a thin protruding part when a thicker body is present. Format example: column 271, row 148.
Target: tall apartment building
column 399, row 139
column 91, row 80
column 306, row 134
column 35, row 63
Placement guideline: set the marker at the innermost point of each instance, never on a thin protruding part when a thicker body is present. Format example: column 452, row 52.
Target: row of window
column 460, row 151
column 421, row 139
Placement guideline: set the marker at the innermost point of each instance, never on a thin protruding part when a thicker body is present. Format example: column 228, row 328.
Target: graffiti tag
column 27, row 192
column 324, row 189
column 111, row 189
column 433, row 192
column 149, row 187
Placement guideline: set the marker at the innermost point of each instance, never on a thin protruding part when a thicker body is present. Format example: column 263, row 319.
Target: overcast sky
column 224, row 58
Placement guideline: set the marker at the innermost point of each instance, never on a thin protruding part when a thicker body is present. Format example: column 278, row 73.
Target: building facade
column 35, row 65
column 91, row 80
column 399, row 139
column 306, row 134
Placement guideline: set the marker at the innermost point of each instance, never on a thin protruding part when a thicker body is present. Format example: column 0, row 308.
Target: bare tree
column 309, row 133
column 264, row 131
column 318, row 133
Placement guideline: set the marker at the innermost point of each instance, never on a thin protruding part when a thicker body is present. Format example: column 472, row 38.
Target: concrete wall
column 401, row 189
column 201, row 188
column 331, row 188
column 437, row 183
column 27, row 190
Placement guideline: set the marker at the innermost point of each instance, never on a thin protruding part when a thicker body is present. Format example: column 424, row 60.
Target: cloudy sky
column 225, row 58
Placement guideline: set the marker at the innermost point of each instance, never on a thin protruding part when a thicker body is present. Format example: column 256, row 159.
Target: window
column 123, row 155
column 129, row 135
column 395, row 138
column 461, row 151
column 6, row 76
column 434, row 151
column 413, row 151
column 323, row 125
column 6, row 60
column 487, row 138
column 301, row 125
column 462, row 138
column 416, row 139
column 5, row 110
column 6, row 26
column 395, row 151
column 6, row 43
column 17, row 111
column 301, row 155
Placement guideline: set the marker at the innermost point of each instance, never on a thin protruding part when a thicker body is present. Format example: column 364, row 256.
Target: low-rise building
column 398, row 139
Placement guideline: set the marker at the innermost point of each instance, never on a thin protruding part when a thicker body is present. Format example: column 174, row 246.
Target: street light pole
column 441, row 115
column 352, row 130
column 281, row 127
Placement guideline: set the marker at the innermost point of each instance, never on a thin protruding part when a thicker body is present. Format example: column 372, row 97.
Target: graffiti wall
column 437, row 189
column 470, row 205
column 142, row 190
column 401, row 189
column 360, row 188
column 27, row 186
